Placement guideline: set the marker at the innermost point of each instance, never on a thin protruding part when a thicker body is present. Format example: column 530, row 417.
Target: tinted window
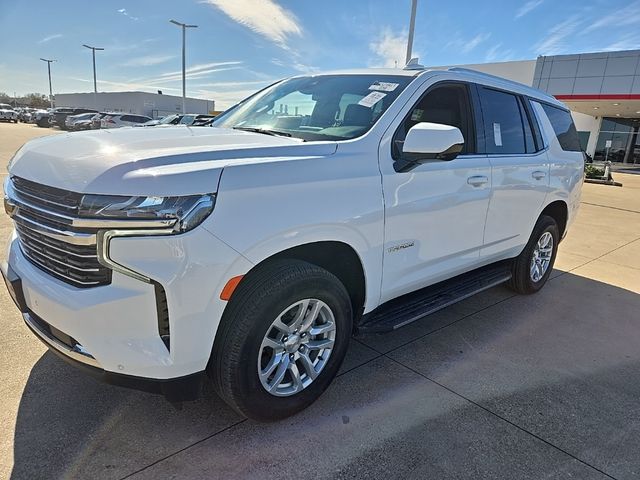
column 528, row 132
column 564, row 128
column 445, row 104
column 503, row 122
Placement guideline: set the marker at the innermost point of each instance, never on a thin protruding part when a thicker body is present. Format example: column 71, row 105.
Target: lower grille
column 77, row 265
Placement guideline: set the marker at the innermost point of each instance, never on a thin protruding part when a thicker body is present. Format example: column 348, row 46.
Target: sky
column 243, row 45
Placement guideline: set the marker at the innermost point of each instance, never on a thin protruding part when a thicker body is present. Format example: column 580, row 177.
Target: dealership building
column 152, row 105
column 601, row 89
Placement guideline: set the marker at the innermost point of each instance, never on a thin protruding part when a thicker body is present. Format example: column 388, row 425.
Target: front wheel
column 281, row 340
column 532, row 268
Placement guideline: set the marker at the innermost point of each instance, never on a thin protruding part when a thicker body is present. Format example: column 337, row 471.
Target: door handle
column 539, row 175
column 477, row 180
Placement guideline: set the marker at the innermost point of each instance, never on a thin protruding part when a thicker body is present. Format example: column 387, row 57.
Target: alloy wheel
column 296, row 347
column 541, row 258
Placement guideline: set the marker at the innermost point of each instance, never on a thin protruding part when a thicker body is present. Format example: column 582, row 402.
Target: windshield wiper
column 266, row 131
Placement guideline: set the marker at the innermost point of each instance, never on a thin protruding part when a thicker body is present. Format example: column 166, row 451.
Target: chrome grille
column 50, row 198
column 44, row 220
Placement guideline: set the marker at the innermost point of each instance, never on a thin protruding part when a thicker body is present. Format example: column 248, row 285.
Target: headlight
column 189, row 211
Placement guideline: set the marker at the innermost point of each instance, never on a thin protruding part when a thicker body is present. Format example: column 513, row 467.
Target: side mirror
column 429, row 141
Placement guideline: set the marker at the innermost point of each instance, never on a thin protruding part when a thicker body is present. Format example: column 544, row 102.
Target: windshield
column 168, row 119
column 324, row 107
column 187, row 120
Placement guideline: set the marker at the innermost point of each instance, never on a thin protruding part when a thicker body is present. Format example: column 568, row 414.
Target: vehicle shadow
column 67, row 419
column 562, row 364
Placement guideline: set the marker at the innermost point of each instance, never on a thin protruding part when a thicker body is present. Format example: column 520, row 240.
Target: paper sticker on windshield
column 371, row 99
column 497, row 134
column 384, row 86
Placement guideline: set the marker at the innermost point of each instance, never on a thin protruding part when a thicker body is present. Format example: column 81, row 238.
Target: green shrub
column 593, row 172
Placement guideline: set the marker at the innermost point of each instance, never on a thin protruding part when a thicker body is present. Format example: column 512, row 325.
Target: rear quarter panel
column 566, row 171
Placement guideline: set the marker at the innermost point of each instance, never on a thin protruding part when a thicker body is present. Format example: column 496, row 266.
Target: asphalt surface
column 497, row 386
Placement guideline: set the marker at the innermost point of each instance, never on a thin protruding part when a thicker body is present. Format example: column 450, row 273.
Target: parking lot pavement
column 497, row 386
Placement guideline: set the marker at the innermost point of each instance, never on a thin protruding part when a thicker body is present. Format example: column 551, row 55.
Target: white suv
column 8, row 113
column 252, row 250
column 117, row 120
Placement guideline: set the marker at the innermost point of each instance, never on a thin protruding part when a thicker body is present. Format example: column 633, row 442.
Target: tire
column 239, row 351
column 524, row 279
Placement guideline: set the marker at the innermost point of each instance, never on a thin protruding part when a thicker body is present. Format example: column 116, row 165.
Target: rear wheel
column 532, row 268
column 281, row 340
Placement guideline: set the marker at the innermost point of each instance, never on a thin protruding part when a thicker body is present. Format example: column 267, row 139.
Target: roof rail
column 478, row 72
column 495, row 77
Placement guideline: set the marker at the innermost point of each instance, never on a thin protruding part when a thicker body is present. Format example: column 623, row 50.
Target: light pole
column 184, row 81
column 95, row 83
column 412, row 27
column 49, row 70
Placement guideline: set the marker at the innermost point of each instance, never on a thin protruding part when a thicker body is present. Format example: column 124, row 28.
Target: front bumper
column 112, row 331
column 68, row 349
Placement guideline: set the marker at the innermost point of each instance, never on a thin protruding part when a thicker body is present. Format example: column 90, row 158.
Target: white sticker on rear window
column 371, row 99
column 497, row 134
column 384, row 86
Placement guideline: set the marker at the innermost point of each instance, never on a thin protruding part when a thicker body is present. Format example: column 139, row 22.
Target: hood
column 175, row 160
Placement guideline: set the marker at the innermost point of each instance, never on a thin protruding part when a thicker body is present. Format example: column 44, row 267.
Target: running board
column 414, row 306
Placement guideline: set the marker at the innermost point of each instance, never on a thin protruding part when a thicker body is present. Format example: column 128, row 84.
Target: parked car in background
column 117, row 120
column 196, row 120
column 42, row 118
column 191, row 119
column 167, row 120
column 8, row 114
column 25, row 114
column 60, row 115
column 79, row 122
column 97, row 119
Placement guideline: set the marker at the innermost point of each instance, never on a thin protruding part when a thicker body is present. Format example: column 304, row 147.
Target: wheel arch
column 338, row 258
column 559, row 211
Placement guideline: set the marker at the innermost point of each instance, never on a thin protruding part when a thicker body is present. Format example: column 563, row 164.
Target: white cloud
column 50, row 37
column 264, row 17
column 556, row 40
column 148, row 60
column 197, row 71
column 498, row 54
column 295, row 64
column 528, row 7
column 191, row 75
column 200, row 67
column 124, row 12
column 629, row 15
column 115, row 86
column 390, row 49
column 235, row 85
column 627, row 42
column 475, row 41
column 460, row 44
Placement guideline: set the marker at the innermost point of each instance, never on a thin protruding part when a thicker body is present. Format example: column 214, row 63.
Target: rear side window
column 563, row 127
column 131, row 118
column 504, row 123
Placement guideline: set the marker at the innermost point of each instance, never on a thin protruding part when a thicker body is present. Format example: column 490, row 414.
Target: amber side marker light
column 230, row 287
